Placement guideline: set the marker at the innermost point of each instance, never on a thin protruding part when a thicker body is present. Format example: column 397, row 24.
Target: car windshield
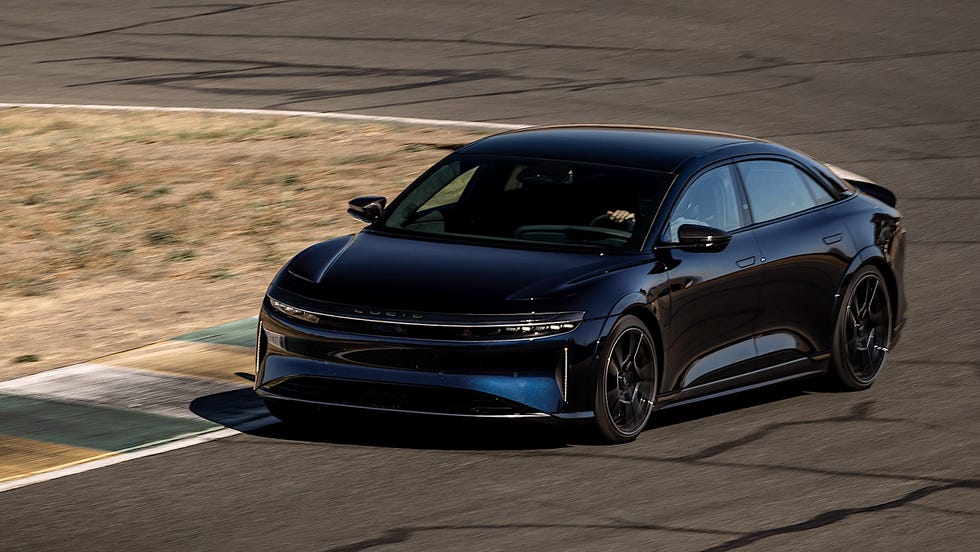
column 530, row 201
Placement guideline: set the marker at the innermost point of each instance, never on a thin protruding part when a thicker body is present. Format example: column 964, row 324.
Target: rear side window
column 776, row 189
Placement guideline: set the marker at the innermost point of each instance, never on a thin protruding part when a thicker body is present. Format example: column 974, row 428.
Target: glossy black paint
column 619, row 146
column 759, row 309
column 376, row 270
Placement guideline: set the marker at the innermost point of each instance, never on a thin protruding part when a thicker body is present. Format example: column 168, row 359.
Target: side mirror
column 694, row 237
column 366, row 208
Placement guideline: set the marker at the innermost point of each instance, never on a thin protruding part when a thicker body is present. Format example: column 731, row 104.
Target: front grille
column 390, row 396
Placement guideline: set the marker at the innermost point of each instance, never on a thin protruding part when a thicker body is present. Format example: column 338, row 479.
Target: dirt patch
column 119, row 229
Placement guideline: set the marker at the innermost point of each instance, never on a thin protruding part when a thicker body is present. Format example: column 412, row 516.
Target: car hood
column 390, row 272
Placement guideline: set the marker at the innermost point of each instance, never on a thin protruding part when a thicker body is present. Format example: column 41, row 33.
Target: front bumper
column 535, row 377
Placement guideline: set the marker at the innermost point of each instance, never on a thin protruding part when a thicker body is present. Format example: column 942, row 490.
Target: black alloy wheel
column 627, row 384
column 863, row 333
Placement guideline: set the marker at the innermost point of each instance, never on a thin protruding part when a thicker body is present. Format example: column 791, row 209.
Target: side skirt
column 773, row 375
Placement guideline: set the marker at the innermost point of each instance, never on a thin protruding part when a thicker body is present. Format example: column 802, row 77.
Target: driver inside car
column 619, row 219
column 621, row 215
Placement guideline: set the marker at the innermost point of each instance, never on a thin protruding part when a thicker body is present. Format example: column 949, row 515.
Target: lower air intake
column 389, row 396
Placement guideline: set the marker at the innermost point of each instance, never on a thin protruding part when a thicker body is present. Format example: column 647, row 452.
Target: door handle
column 833, row 238
column 748, row 261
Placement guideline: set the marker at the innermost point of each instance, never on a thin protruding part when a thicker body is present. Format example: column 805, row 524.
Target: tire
column 626, row 384
column 863, row 331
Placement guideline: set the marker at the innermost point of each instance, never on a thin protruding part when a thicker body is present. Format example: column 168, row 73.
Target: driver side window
column 711, row 200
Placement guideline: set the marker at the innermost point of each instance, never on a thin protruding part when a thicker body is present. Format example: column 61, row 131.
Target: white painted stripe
column 150, row 449
column 279, row 112
column 130, row 389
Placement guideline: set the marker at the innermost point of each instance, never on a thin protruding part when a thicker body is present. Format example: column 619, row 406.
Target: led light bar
column 433, row 328
column 294, row 312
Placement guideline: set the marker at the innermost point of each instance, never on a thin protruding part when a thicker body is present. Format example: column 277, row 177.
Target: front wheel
column 863, row 332
column 626, row 386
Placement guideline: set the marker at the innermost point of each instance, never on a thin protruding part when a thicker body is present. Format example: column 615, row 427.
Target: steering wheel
column 605, row 221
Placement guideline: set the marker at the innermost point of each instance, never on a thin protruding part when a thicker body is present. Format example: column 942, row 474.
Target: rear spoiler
column 865, row 184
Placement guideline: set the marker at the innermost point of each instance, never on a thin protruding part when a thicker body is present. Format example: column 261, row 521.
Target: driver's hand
column 621, row 215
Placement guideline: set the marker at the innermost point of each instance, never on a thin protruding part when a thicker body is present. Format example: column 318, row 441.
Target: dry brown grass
column 121, row 228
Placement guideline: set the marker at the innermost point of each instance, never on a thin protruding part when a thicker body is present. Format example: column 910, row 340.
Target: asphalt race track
column 887, row 90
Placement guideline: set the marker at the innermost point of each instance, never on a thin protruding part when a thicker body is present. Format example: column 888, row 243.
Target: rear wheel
column 626, row 387
column 863, row 332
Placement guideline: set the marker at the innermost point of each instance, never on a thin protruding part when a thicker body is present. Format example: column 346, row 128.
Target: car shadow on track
column 241, row 408
column 738, row 401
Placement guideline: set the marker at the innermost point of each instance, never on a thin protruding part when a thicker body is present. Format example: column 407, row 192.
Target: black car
column 587, row 272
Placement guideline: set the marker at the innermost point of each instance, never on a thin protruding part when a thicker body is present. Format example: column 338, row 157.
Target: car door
column 806, row 250
column 713, row 295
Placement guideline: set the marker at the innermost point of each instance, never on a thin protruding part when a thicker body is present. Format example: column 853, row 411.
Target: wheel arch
column 653, row 326
column 605, row 420
column 871, row 256
column 636, row 304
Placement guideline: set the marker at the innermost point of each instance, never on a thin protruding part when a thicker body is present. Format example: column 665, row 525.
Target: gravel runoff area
column 122, row 228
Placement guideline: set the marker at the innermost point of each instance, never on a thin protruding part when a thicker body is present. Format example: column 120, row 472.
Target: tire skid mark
column 831, row 517
column 419, row 40
column 174, row 81
column 226, row 9
column 400, row 535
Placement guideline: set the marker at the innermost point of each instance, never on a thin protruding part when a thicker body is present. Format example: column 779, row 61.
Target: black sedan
column 589, row 272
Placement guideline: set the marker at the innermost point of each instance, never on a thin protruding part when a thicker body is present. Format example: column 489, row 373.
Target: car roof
column 653, row 148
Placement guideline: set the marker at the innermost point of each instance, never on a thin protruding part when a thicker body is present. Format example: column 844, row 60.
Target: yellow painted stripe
column 188, row 358
column 20, row 457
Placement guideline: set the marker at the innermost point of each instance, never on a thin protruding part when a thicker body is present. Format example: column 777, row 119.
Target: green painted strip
column 240, row 333
column 90, row 426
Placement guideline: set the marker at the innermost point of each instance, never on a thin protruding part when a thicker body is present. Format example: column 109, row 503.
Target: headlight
column 536, row 330
column 294, row 312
